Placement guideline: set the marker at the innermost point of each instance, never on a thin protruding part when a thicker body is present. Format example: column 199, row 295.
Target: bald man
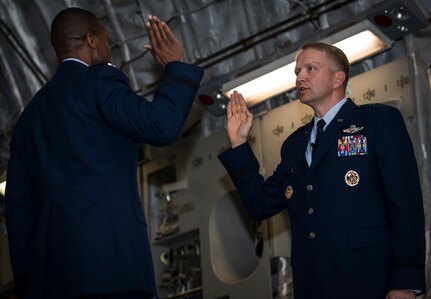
column 76, row 224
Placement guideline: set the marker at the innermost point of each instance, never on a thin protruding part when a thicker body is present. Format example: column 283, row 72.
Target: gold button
column 309, row 187
column 288, row 192
column 311, row 235
column 310, row 211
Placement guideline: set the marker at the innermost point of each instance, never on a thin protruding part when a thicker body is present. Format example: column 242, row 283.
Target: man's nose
column 299, row 79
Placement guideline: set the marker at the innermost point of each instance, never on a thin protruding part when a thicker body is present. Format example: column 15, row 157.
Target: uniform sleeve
column 400, row 176
column 262, row 198
column 22, row 211
column 157, row 122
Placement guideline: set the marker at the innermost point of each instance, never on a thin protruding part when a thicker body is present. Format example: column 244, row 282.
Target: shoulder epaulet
column 374, row 106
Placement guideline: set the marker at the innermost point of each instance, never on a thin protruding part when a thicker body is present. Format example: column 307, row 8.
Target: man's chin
column 306, row 101
column 303, row 100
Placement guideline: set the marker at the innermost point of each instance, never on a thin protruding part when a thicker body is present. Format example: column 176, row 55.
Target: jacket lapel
column 332, row 133
column 302, row 147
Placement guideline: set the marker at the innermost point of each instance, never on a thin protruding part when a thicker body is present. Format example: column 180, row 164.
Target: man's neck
column 81, row 56
column 75, row 59
column 321, row 108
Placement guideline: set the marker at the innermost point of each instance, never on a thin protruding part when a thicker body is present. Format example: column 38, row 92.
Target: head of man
column 78, row 33
column 322, row 72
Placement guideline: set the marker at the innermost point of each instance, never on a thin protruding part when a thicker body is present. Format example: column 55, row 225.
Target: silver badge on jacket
column 351, row 178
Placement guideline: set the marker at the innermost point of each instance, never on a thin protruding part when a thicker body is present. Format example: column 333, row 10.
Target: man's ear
column 340, row 77
column 91, row 40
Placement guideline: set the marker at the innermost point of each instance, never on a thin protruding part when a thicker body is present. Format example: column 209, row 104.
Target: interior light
column 403, row 28
column 3, row 188
column 205, row 99
column 366, row 44
column 267, row 85
column 400, row 13
column 397, row 18
column 383, row 20
column 357, row 42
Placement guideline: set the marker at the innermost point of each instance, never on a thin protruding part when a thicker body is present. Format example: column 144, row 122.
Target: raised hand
column 164, row 47
column 239, row 120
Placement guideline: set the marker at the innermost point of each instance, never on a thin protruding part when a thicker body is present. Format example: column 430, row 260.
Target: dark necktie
column 320, row 124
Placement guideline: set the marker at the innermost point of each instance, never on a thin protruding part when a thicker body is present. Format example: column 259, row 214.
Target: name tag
column 352, row 145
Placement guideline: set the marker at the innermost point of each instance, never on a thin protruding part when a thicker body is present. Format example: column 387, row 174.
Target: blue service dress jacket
column 356, row 213
column 75, row 221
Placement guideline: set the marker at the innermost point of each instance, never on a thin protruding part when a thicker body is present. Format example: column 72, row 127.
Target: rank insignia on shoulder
column 352, row 129
column 352, row 145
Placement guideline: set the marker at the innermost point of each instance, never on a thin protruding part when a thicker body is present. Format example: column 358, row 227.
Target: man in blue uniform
column 75, row 220
column 350, row 183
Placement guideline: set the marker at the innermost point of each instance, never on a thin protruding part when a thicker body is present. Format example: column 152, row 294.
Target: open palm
column 239, row 120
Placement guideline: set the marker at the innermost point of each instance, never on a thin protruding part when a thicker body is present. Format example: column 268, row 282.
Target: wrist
column 236, row 144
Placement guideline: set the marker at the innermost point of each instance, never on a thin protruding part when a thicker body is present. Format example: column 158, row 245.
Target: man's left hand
column 165, row 47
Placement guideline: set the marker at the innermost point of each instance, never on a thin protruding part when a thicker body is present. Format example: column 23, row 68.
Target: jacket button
column 311, row 235
column 309, row 187
column 310, row 211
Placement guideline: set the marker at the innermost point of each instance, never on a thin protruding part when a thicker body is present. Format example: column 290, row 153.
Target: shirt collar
column 75, row 59
column 329, row 116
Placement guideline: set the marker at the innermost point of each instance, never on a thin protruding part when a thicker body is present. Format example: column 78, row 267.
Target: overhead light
column 211, row 98
column 367, row 38
column 263, row 83
column 358, row 42
column 399, row 18
column 400, row 13
column 3, row 188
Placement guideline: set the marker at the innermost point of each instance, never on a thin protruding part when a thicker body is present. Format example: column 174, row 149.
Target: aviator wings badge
column 352, row 129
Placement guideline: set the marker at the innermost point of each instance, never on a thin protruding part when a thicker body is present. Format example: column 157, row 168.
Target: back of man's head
column 70, row 28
